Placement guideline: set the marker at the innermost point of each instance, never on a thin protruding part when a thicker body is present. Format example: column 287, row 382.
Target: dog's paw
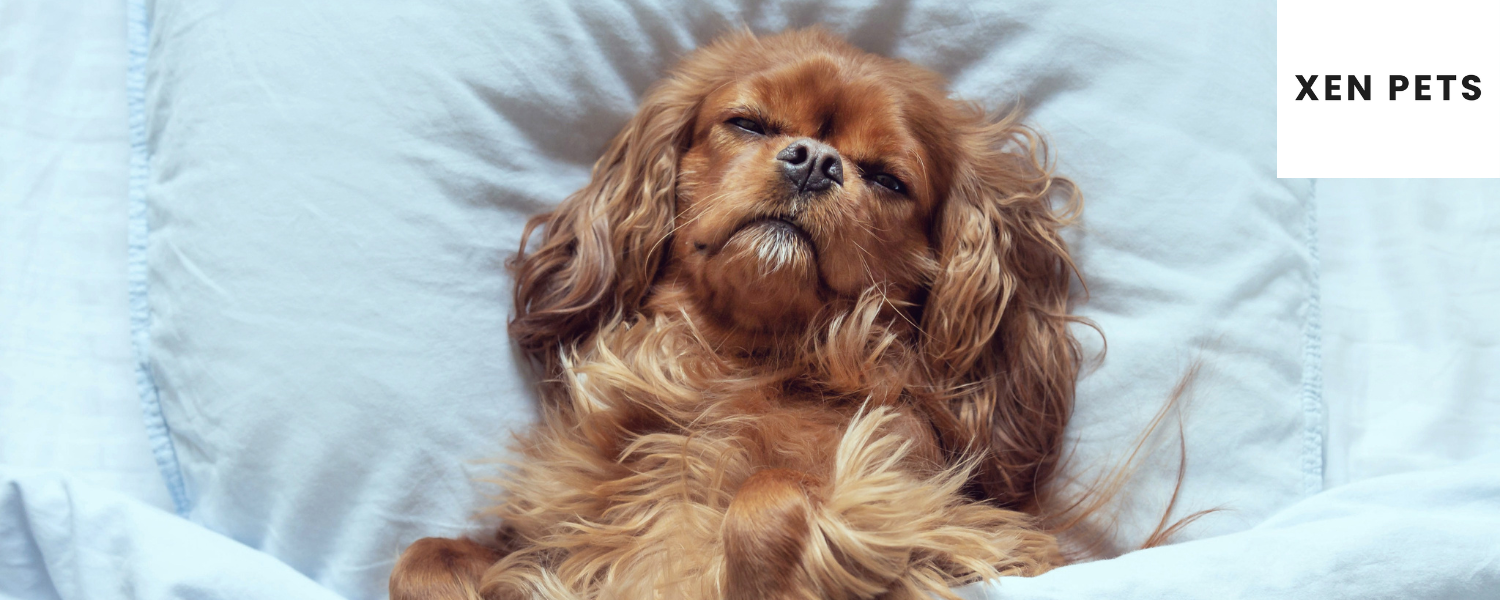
column 441, row 569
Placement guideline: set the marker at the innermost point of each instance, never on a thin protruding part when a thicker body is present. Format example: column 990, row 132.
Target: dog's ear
column 603, row 246
column 996, row 317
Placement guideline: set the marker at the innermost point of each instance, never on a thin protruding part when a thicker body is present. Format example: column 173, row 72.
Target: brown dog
column 804, row 335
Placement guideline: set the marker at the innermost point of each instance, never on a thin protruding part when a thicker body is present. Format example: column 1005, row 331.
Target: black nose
column 811, row 166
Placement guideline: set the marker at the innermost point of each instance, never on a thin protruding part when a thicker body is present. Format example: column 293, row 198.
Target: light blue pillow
column 326, row 195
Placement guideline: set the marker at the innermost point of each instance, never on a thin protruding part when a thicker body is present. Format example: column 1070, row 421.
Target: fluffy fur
column 757, row 388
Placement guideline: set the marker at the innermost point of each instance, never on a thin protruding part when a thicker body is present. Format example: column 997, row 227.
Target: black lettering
column 1355, row 88
column 1398, row 83
column 1473, row 88
column 1307, row 87
column 1330, row 87
column 1446, row 79
column 1422, row 86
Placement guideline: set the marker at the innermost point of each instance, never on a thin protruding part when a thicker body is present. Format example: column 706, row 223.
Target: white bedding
column 1411, row 336
column 1410, row 273
column 68, row 399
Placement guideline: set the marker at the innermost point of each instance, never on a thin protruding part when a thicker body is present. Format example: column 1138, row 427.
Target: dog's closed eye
column 749, row 125
column 876, row 175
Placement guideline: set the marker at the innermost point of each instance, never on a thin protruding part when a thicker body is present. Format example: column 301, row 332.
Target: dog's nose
column 811, row 166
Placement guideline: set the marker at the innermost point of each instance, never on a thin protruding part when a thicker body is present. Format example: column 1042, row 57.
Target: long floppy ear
column 601, row 248
column 996, row 320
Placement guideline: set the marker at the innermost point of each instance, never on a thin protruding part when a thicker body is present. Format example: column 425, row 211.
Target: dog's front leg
column 766, row 532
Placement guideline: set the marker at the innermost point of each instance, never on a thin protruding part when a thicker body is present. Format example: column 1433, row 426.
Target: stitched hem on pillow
column 1312, row 359
column 157, row 432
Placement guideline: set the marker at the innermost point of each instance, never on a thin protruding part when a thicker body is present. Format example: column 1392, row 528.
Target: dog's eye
column 747, row 125
column 887, row 181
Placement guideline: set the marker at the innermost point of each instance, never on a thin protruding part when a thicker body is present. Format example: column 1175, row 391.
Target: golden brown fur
column 757, row 388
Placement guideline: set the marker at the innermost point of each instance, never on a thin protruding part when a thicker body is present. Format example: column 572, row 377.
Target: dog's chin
column 765, row 276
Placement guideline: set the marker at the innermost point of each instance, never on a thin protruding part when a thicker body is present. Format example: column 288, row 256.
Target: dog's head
column 770, row 183
column 811, row 174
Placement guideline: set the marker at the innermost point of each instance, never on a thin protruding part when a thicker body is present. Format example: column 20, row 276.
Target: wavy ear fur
column 601, row 249
column 996, row 319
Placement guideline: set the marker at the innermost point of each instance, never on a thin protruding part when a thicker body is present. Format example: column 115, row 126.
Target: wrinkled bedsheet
column 1422, row 535
column 61, row 538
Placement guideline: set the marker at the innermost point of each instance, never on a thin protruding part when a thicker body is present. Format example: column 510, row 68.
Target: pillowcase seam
column 1312, row 358
column 158, row 434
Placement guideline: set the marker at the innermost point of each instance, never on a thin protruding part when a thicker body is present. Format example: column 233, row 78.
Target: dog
column 804, row 334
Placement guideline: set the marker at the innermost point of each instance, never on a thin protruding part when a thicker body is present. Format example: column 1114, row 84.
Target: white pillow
column 331, row 190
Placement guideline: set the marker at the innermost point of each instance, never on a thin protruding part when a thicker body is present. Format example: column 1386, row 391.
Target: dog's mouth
column 777, row 227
